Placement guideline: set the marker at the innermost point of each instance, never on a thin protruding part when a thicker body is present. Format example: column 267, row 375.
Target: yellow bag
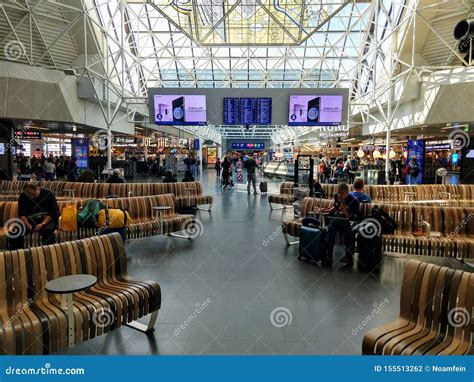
column 68, row 219
column 113, row 218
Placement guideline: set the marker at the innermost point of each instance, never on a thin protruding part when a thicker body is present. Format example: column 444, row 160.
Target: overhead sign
column 27, row 134
column 247, row 146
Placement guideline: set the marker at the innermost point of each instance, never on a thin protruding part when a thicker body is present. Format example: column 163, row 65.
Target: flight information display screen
column 315, row 110
column 247, row 111
column 180, row 110
column 231, row 111
column 264, row 111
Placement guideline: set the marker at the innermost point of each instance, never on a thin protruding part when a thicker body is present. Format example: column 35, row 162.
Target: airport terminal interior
column 239, row 177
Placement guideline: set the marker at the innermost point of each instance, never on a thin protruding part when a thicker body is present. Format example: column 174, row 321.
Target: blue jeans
column 345, row 229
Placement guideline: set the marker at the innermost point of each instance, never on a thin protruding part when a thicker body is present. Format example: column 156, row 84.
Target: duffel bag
column 113, row 218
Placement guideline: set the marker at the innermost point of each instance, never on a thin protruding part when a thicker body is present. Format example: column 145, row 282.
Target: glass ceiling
column 242, row 43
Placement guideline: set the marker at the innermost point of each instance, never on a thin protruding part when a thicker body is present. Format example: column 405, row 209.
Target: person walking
column 226, row 166
column 218, row 167
column 251, row 167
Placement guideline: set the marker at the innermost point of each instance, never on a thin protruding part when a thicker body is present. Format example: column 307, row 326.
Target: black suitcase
column 313, row 242
column 263, row 187
column 370, row 253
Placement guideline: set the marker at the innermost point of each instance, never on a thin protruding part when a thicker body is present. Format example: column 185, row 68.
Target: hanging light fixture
column 376, row 154
column 360, row 153
column 392, row 154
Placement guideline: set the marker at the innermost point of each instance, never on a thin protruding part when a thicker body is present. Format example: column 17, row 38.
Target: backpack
column 414, row 171
column 88, row 213
column 387, row 224
column 322, row 168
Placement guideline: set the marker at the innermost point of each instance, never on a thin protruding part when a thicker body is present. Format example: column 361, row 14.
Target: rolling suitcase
column 370, row 253
column 313, row 243
column 263, row 187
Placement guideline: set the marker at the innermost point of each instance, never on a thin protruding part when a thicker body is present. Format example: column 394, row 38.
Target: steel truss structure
column 374, row 48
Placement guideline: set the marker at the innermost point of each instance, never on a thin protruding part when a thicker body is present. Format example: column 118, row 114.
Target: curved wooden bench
column 429, row 299
column 33, row 320
column 143, row 224
column 291, row 226
column 285, row 197
column 184, row 198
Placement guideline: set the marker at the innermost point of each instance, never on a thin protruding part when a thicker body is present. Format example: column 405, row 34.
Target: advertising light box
column 314, row 110
column 180, row 110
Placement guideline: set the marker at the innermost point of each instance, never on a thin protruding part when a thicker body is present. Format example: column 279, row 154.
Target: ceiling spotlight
column 74, row 128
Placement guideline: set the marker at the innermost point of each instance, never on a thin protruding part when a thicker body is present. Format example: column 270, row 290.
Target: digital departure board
column 264, row 111
column 247, row 111
column 231, row 111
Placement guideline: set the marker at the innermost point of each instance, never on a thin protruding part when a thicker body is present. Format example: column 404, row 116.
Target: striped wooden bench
column 188, row 194
column 285, row 197
column 32, row 319
column 436, row 305
column 144, row 222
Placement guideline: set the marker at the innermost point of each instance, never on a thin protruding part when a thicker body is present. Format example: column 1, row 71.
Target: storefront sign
column 126, row 140
column 247, row 146
column 27, row 134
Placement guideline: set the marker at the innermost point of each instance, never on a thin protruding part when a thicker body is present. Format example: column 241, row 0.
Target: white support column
column 200, row 153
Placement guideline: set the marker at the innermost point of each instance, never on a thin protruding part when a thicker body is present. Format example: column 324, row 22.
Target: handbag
column 36, row 218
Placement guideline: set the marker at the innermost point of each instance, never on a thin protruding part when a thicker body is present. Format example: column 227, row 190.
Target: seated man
column 38, row 210
column 115, row 177
column 345, row 208
column 359, row 193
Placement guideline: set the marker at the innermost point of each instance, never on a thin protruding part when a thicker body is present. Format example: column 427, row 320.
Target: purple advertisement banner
column 180, row 110
column 314, row 110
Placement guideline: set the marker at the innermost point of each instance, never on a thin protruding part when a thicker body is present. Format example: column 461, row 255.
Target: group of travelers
column 346, row 205
column 226, row 168
column 53, row 167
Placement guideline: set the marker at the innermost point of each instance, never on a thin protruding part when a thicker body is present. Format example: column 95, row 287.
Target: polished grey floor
column 238, row 289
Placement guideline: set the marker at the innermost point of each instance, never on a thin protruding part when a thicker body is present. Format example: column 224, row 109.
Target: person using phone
column 38, row 212
column 346, row 208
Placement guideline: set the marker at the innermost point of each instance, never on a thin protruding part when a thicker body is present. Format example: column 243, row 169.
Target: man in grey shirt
column 251, row 166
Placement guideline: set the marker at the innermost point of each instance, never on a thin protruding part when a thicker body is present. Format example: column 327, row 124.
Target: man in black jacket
column 38, row 212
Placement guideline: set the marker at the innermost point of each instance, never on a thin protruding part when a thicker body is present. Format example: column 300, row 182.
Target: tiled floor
column 253, row 295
